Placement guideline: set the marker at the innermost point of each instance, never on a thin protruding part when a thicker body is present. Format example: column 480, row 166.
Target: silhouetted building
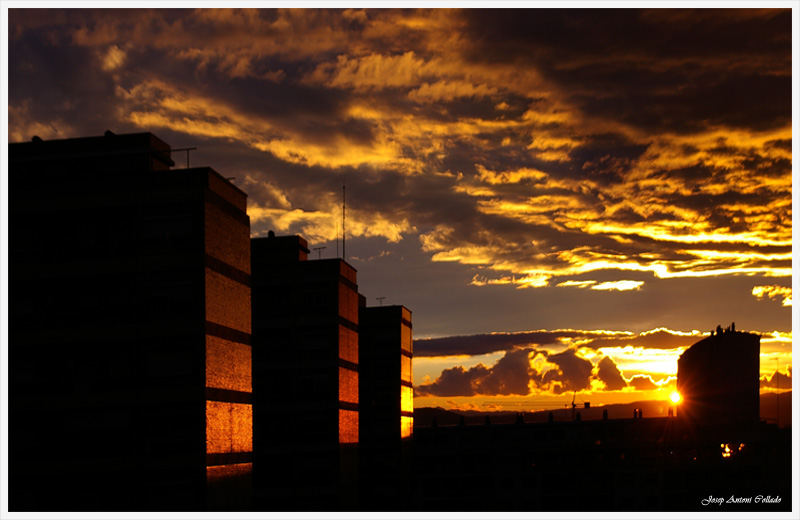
column 648, row 464
column 305, row 377
column 386, row 403
column 130, row 384
column 718, row 379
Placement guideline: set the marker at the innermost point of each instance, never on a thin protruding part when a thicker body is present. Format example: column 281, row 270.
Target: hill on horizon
column 424, row 417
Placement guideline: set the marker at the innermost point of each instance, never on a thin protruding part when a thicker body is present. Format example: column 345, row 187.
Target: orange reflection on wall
column 405, row 338
column 216, row 473
column 406, row 426
column 405, row 368
column 226, row 238
column 348, row 427
column 227, row 302
column 348, row 303
column 348, row 385
column 229, row 427
column 406, row 399
column 348, row 344
column 228, row 365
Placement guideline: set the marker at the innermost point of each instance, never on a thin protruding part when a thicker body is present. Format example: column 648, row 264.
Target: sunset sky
column 565, row 199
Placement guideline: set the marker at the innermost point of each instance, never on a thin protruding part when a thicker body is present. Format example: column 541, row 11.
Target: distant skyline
column 565, row 199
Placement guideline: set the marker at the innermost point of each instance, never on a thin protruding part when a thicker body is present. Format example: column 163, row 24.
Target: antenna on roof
column 380, row 299
column 187, row 150
column 778, row 393
column 344, row 234
column 319, row 250
column 573, row 404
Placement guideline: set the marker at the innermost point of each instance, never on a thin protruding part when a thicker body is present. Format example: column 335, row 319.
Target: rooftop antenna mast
column 778, row 393
column 344, row 234
column 319, row 251
column 187, row 150
column 380, row 299
column 573, row 404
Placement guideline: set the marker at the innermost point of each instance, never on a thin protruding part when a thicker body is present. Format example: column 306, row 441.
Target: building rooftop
column 110, row 144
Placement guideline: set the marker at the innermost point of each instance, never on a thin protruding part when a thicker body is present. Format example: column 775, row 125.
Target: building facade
column 648, row 464
column 386, row 403
column 385, row 352
column 130, row 365
column 718, row 378
column 305, row 377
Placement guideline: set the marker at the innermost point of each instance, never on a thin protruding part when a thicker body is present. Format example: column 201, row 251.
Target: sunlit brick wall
column 228, row 353
column 348, row 344
column 227, row 301
column 348, row 385
column 348, row 426
column 229, row 427
column 406, row 386
column 348, row 355
column 226, row 237
column 228, row 365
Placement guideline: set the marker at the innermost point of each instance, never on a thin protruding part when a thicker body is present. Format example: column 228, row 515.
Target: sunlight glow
column 675, row 397
column 774, row 292
column 639, row 360
column 619, row 285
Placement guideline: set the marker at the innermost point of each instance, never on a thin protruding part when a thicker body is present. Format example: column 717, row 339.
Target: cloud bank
column 538, row 146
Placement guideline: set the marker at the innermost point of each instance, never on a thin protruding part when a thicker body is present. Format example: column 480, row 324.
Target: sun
column 675, row 397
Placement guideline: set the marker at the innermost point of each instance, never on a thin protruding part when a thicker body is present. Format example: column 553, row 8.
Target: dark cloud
column 780, row 144
column 455, row 381
column 703, row 102
column 484, row 343
column 628, row 215
column 706, row 203
column 660, row 70
column 659, row 338
column 573, row 372
column 642, row 382
column 510, row 375
column 698, row 172
column 609, row 374
column 478, row 344
column 513, row 375
column 769, row 166
column 410, row 107
column 78, row 94
column 606, row 156
column 778, row 380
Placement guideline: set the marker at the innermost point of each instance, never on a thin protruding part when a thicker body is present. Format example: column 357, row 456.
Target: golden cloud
column 323, row 225
column 708, row 202
column 773, row 292
column 619, row 285
column 114, row 58
column 449, row 90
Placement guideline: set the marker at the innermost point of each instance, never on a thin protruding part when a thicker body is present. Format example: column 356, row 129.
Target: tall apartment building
column 718, row 379
column 386, row 404
column 130, row 364
column 305, row 377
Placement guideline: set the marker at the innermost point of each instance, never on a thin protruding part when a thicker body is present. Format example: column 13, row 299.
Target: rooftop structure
column 129, row 350
column 386, row 401
column 305, row 377
column 718, row 378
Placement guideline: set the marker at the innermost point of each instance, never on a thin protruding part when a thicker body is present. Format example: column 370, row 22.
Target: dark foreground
column 657, row 464
column 650, row 464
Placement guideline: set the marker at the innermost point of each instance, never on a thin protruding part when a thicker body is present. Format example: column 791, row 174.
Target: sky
column 565, row 199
